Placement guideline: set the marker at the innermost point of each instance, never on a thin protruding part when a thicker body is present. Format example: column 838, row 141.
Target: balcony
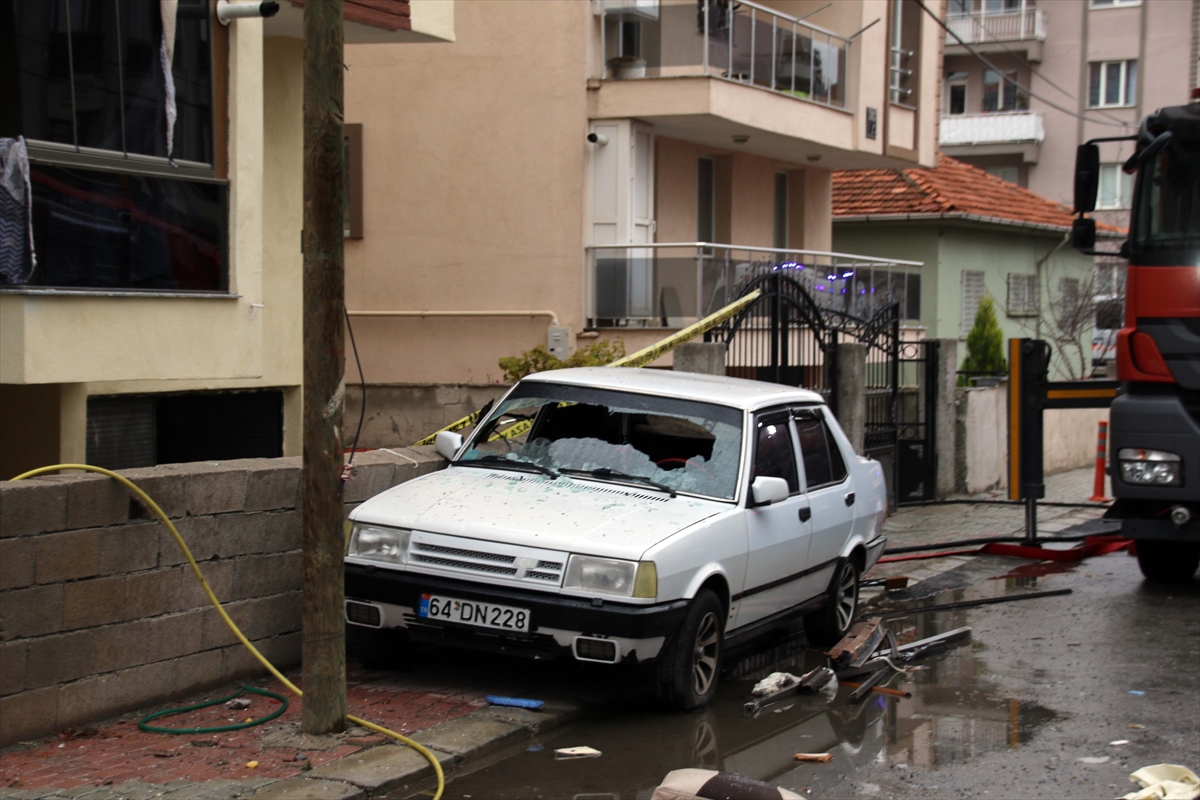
column 672, row 285
column 997, row 32
column 1002, row 133
column 712, row 72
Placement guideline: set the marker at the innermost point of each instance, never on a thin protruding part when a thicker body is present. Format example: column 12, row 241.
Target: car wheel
column 1168, row 562
column 379, row 648
column 689, row 665
column 830, row 624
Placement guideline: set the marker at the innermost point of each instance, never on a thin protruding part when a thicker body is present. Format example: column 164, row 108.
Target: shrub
column 985, row 343
column 539, row 359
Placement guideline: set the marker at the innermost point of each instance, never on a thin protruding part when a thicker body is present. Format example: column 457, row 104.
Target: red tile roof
column 952, row 188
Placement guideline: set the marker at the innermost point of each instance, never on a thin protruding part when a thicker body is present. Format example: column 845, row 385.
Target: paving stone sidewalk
column 440, row 704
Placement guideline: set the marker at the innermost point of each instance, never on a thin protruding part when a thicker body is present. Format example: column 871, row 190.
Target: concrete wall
column 981, row 462
column 399, row 415
column 99, row 612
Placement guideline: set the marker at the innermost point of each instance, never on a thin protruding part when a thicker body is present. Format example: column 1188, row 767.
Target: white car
column 622, row 516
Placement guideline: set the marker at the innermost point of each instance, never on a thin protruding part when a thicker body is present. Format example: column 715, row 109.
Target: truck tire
column 830, row 624
column 1168, row 562
column 379, row 648
column 689, row 666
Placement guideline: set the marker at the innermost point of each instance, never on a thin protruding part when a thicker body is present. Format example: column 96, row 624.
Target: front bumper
column 554, row 621
column 1155, row 422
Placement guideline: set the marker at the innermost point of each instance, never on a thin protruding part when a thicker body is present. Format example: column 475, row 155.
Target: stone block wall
column 100, row 612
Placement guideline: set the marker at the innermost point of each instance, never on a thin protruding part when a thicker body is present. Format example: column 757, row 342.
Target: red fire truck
column 1154, row 430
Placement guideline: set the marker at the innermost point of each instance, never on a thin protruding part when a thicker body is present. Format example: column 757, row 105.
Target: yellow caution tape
column 638, row 359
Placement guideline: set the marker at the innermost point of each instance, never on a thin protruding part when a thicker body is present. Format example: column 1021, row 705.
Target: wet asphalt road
column 1041, row 685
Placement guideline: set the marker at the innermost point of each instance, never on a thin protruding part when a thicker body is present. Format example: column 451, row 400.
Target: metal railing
column 743, row 42
column 994, row 128
column 977, row 27
column 673, row 284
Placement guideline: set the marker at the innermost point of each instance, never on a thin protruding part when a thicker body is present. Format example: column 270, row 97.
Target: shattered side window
column 688, row 446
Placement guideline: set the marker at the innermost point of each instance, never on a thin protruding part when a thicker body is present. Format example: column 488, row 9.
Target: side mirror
column 1083, row 233
column 447, row 444
column 766, row 490
column 1087, row 177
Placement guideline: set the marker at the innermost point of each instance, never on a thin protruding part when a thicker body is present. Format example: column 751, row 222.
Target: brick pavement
column 115, row 760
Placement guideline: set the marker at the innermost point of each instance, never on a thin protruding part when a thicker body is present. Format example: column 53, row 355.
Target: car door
column 829, row 490
column 777, row 534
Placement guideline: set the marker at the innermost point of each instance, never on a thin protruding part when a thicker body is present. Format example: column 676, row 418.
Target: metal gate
column 916, row 453
column 786, row 337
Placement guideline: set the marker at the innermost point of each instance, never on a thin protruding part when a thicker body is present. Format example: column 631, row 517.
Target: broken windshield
column 686, row 446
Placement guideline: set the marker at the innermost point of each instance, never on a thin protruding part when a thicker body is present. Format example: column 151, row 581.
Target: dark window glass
column 1093, row 84
column 98, row 229
column 94, row 52
column 818, row 470
column 912, row 309
column 958, row 99
column 705, row 209
column 774, row 456
column 145, row 86
column 44, row 78
column 781, row 209
column 836, row 462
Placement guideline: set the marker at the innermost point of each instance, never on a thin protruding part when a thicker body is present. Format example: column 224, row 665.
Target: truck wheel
column 379, row 648
column 1168, row 562
column 689, row 665
column 830, row 624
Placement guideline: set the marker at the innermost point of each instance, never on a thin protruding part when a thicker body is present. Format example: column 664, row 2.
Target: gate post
column 851, row 392
column 945, row 429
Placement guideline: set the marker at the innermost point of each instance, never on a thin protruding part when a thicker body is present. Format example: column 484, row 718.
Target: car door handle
column 849, row 498
column 805, row 513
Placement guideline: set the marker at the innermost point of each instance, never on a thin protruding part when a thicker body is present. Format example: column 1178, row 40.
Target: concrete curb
column 457, row 743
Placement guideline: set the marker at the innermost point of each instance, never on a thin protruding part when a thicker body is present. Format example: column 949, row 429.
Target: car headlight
column 1150, row 467
column 612, row 576
column 378, row 543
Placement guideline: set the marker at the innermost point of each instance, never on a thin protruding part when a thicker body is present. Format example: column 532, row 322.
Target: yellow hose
column 212, row 598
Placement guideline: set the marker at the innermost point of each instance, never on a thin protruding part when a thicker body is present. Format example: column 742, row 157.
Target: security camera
column 227, row 11
column 597, row 138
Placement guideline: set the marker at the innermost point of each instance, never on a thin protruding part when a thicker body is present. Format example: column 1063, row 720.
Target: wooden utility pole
column 324, row 668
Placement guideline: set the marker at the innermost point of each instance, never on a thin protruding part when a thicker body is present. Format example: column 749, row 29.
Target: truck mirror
column 1087, row 177
column 1083, row 233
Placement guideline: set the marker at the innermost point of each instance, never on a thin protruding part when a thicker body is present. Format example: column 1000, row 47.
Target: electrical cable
column 1013, row 81
column 362, row 386
column 212, row 598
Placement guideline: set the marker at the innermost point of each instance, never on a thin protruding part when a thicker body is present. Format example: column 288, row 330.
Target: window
column 353, row 176
column 774, row 456
column 706, row 215
column 119, row 125
column 906, row 32
column 1115, row 3
column 1001, row 6
column 972, row 292
column 1070, row 305
column 999, row 91
column 1022, row 295
column 823, row 462
column 781, row 209
column 960, row 7
column 1010, row 174
column 1112, row 83
column 1116, row 188
column 956, row 93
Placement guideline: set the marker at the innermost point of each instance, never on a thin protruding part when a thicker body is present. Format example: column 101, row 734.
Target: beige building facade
column 525, row 186
column 162, row 321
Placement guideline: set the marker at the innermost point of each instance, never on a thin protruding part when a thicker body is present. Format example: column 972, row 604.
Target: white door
column 641, row 228
column 777, row 535
column 830, row 493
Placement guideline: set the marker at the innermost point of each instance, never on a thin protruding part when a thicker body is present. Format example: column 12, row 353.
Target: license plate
column 473, row 612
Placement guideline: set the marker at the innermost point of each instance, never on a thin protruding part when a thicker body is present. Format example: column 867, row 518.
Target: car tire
column 1168, row 562
column 830, row 624
column 689, row 666
column 379, row 648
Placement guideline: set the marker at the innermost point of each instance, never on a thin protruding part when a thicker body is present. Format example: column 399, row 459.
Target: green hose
column 219, row 728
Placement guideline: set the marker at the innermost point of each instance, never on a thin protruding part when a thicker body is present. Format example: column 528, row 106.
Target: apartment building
column 150, row 310
column 1103, row 64
column 526, row 186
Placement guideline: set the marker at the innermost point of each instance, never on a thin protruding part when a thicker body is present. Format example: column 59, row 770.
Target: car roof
column 719, row 389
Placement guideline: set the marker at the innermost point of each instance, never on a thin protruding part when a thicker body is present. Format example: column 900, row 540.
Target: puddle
column 955, row 714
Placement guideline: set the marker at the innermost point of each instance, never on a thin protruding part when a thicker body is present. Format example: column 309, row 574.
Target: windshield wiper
column 498, row 461
column 617, row 475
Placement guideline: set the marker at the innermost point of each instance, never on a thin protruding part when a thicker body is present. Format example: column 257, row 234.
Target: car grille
column 455, row 555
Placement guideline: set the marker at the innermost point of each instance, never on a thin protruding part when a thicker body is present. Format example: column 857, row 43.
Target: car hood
column 567, row 514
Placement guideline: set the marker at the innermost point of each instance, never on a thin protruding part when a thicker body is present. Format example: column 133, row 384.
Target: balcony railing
column 742, row 42
column 978, row 27
column 671, row 285
column 1016, row 126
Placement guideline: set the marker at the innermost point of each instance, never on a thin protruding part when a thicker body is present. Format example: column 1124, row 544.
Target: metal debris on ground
column 816, row 758
column 857, row 645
